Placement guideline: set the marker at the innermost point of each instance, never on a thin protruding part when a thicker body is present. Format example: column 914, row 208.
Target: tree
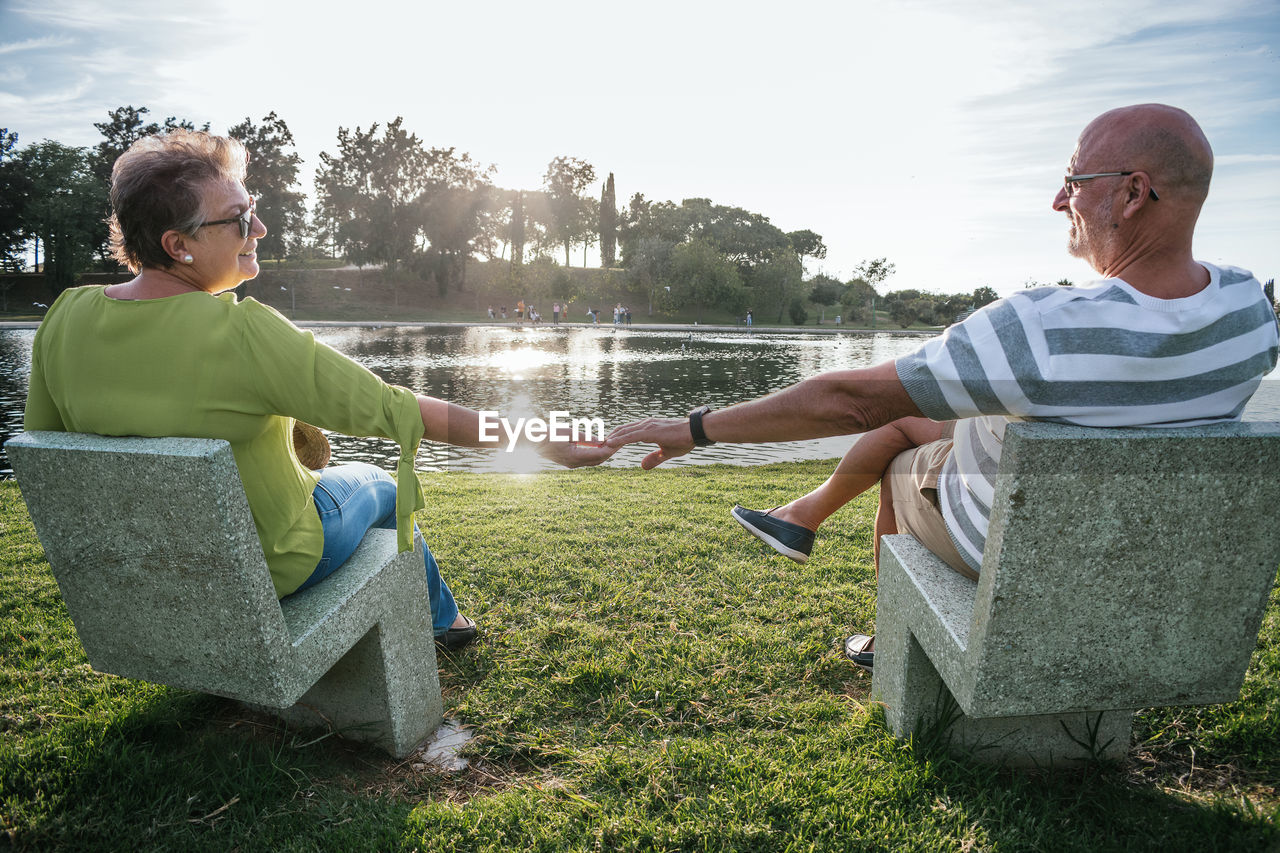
column 947, row 309
column 644, row 220
column 452, row 210
column 368, row 192
column 874, row 272
column 515, row 232
column 590, row 223
column 565, row 181
column 902, row 306
column 650, row 265
column 538, row 239
column 15, row 190
column 272, row 176
column 984, row 296
column 125, row 126
column 807, row 244
column 778, row 280
column 745, row 238
column 608, row 224
column 62, row 211
column 825, row 291
column 902, row 313
column 858, row 300
column 797, row 311
column 923, row 307
column 702, row 277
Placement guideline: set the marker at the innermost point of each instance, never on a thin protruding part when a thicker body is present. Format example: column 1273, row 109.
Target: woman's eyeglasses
column 244, row 220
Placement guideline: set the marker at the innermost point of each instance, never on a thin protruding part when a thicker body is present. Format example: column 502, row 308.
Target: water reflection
column 617, row 375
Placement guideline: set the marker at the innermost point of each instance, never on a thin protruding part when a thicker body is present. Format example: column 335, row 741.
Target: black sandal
column 456, row 638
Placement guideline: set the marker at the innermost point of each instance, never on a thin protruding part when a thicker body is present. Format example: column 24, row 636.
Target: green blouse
column 213, row 367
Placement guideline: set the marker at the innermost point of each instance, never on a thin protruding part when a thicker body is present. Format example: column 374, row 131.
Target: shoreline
column 643, row 327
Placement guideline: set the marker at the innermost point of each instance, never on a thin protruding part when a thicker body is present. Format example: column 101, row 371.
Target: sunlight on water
column 518, row 362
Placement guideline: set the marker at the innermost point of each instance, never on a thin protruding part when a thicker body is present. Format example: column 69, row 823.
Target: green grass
column 649, row 678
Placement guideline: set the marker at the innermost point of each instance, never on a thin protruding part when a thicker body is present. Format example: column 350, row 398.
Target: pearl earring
column 187, row 259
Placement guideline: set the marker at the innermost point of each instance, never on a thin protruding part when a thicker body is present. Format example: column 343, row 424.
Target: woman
column 171, row 352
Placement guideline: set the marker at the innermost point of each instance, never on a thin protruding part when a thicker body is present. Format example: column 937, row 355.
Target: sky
column 933, row 133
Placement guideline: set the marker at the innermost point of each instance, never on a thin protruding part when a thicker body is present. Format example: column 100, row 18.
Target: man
column 1160, row 340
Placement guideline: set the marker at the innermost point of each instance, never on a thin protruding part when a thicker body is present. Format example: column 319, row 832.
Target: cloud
column 46, row 43
column 1243, row 159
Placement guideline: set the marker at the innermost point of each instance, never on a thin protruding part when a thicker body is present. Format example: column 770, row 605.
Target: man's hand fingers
column 653, row 460
column 662, row 454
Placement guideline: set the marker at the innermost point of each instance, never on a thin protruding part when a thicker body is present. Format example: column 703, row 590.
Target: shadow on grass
column 180, row 771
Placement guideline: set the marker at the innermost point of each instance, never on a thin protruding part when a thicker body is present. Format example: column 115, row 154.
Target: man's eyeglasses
column 244, row 220
column 1070, row 181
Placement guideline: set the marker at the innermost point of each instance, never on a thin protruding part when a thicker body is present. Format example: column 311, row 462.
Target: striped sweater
column 1102, row 355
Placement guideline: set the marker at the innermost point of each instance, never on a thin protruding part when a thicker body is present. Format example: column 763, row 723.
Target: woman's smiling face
column 222, row 258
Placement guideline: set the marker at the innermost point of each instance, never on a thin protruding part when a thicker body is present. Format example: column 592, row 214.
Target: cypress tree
column 608, row 225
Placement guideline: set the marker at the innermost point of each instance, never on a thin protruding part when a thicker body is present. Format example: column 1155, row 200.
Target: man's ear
column 1137, row 193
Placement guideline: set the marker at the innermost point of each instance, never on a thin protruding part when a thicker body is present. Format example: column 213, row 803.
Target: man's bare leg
column 863, row 465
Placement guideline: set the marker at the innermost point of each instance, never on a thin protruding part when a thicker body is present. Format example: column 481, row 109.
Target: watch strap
column 695, row 427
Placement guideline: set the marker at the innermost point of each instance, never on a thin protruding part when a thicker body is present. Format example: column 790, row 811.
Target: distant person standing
column 555, row 313
column 748, row 316
column 520, row 312
column 491, row 317
column 626, row 312
column 504, row 312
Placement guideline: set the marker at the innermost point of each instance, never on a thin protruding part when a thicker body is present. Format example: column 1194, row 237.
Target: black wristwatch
column 695, row 427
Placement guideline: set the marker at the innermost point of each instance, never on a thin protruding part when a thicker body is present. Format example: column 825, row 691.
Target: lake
column 618, row 375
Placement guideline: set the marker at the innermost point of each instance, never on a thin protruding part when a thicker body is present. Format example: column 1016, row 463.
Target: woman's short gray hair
column 158, row 185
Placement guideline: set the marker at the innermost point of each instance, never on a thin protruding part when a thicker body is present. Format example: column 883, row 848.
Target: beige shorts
column 912, row 481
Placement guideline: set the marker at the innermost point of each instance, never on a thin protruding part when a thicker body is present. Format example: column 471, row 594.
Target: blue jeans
column 353, row 498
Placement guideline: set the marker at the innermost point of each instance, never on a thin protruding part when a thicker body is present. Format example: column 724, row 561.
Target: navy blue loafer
column 789, row 540
column 859, row 649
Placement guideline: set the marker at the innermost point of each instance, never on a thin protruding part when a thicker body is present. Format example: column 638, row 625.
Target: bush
column 798, row 314
column 903, row 313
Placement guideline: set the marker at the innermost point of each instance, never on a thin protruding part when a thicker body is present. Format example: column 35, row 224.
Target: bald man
column 1159, row 340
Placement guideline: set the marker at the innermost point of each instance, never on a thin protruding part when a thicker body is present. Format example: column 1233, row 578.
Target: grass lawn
column 649, row 678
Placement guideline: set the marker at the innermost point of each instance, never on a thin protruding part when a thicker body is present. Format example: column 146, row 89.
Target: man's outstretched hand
column 670, row 434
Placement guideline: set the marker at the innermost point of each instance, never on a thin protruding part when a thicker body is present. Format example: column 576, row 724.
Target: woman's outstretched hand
column 572, row 454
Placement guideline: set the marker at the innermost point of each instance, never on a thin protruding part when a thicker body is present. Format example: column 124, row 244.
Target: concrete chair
column 1124, row 569
column 157, row 558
